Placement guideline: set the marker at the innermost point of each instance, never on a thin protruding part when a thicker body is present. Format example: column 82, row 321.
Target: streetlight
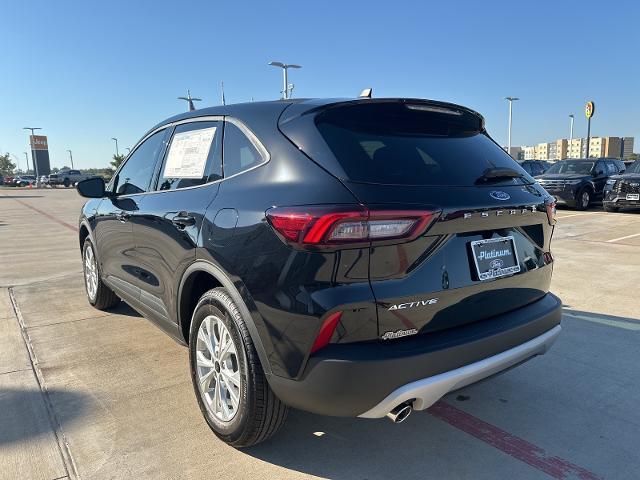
column 511, row 100
column 71, row 157
column 190, row 100
column 116, row 140
column 26, row 157
column 286, row 88
column 33, row 153
column 571, row 129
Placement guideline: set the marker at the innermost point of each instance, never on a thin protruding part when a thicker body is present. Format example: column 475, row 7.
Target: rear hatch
column 487, row 250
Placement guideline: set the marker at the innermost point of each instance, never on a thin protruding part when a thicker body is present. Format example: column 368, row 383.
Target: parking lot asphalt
column 90, row 394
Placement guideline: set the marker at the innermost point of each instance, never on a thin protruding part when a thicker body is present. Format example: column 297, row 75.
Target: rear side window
column 396, row 143
column 193, row 157
column 239, row 152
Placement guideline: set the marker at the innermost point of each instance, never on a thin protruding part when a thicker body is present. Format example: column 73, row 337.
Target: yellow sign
column 589, row 109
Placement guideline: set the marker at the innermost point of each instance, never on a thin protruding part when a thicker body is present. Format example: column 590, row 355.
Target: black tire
column 104, row 297
column 260, row 413
column 611, row 209
column 66, row 183
column 583, row 199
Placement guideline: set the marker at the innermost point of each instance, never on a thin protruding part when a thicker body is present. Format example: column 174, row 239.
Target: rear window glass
column 404, row 144
column 582, row 168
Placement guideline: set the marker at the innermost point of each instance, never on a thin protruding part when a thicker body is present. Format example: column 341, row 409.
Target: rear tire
column 257, row 413
column 583, row 199
column 66, row 183
column 99, row 295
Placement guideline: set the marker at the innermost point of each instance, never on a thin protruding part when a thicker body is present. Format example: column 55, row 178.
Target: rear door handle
column 183, row 220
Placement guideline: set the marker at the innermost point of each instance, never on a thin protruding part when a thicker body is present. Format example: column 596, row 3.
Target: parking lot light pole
column 71, row 158
column 26, row 157
column 116, row 140
column 33, row 153
column 286, row 88
column 511, row 100
column 571, row 129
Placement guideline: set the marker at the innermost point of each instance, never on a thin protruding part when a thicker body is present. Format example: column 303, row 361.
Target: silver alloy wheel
column 218, row 369
column 90, row 272
column 585, row 199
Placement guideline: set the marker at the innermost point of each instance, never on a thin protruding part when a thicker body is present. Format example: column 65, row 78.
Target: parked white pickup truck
column 67, row 177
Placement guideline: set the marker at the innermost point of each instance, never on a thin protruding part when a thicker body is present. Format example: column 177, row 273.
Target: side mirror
column 92, row 187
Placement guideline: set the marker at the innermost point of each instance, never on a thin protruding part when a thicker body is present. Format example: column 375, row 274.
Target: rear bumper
column 368, row 380
column 424, row 393
column 620, row 201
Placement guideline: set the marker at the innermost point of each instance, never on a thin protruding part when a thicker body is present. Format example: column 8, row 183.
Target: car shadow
column 123, row 308
column 354, row 448
column 23, row 414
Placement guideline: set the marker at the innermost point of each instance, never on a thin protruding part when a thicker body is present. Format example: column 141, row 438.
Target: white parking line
column 604, row 321
column 579, row 214
column 623, row 238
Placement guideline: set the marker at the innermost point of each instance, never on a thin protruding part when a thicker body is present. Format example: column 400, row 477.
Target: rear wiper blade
column 494, row 174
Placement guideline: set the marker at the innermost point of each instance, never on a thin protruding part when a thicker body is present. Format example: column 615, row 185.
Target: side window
column 611, row 168
column 238, row 151
column 135, row 176
column 600, row 167
column 193, row 157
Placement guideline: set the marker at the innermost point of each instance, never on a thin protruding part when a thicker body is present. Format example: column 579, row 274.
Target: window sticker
column 188, row 153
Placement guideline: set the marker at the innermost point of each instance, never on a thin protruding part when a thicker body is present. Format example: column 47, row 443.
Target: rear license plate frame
column 497, row 267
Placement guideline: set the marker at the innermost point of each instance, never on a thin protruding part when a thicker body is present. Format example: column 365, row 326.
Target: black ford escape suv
column 346, row 257
column 578, row 182
column 623, row 190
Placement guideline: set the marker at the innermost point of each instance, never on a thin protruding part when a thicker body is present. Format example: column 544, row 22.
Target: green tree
column 6, row 166
column 117, row 160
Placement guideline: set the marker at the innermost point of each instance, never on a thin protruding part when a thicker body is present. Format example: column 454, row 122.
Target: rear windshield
column 582, row 168
column 397, row 143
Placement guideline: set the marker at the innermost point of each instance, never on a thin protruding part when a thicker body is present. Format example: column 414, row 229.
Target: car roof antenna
column 366, row 93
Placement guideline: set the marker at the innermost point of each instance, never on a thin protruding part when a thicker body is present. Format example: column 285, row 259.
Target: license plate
column 633, row 196
column 495, row 257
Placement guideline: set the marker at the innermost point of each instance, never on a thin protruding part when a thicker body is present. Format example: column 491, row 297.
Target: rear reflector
column 551, row 211
column 326, row 226
column 326, row 331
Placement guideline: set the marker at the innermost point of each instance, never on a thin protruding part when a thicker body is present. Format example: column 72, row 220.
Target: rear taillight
column 327, row 226
column 551, row 211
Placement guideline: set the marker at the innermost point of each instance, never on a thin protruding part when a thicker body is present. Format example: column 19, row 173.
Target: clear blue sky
column 89, row 71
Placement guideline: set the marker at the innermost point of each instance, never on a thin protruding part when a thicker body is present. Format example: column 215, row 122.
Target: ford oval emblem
column 496, row 264
column 498, row 195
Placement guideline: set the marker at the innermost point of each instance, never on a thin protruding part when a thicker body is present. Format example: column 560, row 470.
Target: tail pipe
column 401, row 412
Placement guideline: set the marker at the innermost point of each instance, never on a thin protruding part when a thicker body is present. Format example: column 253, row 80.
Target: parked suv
column 578, row 182
column 356, row 258
column 623, row 190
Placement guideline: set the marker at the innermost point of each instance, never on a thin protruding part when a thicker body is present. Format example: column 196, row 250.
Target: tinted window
column 612, row 169
column 536, row 168
column 634, row 167
column 395, row 143
column 193, row 156
column 238, row 151
column 582, row 168
column 135, row 175
column 527, row 167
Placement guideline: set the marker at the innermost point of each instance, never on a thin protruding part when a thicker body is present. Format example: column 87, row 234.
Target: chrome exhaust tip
column 400, row 413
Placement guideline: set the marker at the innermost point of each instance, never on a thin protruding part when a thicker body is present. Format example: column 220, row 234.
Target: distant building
column 611, row 147
column 516, row 153
column 577, row 148
column 561, row 149
column 529, row 153
column 627, row 147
